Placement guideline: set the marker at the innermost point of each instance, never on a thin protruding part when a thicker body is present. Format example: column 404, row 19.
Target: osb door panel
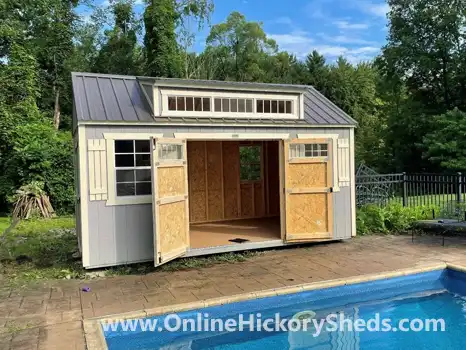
column 308, row 192
column 170, row 199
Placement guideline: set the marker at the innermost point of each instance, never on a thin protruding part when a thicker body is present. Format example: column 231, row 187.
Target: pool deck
column 51, row 315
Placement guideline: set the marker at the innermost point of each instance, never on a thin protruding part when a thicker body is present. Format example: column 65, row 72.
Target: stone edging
column 96, row 341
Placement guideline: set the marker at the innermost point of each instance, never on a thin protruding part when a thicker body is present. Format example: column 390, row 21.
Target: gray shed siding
column 123, row 233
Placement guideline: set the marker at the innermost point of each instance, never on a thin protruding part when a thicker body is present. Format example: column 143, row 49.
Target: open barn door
column 169, row 199
column 308, row 191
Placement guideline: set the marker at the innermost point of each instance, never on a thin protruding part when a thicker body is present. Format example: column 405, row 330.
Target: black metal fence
column 445, row 191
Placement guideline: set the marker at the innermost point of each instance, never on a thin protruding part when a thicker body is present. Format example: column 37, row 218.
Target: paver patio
column 50, row 316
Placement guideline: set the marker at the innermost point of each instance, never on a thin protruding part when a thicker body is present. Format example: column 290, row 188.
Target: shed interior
column 234, row 192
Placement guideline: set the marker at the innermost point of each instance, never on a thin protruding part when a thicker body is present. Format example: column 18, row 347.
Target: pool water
column 431, row 295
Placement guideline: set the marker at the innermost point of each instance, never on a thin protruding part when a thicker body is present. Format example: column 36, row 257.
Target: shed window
column 189, row 104
column 274, row 106
column 170, row 151
column 234, row 105
column 308, row 150
column 250, row 163
column 133, row 170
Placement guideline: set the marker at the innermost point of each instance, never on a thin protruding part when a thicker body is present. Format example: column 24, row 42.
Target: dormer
column 218, row 99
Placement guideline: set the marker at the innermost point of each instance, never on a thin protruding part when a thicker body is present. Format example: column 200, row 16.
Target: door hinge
column 331, row 189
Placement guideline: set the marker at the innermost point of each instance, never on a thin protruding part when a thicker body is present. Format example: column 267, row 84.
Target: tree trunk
column 56, row 113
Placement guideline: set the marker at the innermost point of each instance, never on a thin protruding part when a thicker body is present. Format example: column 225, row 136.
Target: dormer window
column 189, row 103
column 274, row 106
column 228, row 104
column 234, row 105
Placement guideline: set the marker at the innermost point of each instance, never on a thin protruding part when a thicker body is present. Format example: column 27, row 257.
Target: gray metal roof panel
column 320, row 106
column 109, row 98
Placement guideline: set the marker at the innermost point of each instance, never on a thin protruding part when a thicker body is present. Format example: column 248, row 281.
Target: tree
column 162, row 53
column 446, row 144
column 318, row 71
column 241, row 46
column 192, row 17
column 423, row 69
column 119, row 54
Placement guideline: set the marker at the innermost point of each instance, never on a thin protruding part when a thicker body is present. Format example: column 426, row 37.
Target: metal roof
column 117, row 98
column 109, row 98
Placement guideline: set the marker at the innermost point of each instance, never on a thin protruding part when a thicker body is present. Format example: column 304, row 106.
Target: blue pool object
column 438, row 294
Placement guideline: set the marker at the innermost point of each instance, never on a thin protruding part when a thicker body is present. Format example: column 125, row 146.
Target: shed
column 170, row 168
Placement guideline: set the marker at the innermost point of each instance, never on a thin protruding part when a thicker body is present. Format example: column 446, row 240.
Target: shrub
column 37, row 152
column 392, row 218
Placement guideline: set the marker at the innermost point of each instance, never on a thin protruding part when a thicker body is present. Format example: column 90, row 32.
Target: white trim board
column 352, row 183
column 213, row 125
column 83, row 195
column 230, row 136
column 130, row 136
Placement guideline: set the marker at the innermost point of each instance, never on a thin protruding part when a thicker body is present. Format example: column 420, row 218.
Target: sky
column 355, row 29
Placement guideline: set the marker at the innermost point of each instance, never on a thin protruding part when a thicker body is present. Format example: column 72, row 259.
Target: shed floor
column 219, row 233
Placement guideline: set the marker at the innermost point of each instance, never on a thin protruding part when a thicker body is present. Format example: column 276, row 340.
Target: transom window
column 274, row 106
column 133, row 170
column 225, row 104
column 234, row 105
column 170, row 151
column 308, row 150
column 189, row 103
column 250, row 163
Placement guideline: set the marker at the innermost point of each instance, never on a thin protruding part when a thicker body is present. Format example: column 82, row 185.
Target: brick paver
column 49, row 316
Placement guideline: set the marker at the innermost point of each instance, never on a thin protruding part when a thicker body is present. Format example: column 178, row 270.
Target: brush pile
column 32, row 201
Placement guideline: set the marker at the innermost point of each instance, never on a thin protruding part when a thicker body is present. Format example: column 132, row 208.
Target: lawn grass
column 37, row 249
column 46, row 248
column 33, row 226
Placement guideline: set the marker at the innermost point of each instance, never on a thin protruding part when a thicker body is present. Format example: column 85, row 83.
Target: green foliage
column 241, row 47
column 120, row 54
column 162, row 54
column 393, row 218
column 446, row 144
column 44, row 249
column 423, row 69
column 37, row 152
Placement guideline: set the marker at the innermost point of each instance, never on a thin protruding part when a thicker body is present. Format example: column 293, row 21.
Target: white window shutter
column 97, row 167
column 343, row 163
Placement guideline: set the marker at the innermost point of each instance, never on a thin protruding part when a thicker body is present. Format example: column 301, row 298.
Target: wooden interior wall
column 215, row 190
column 197, row 181
column 272, row 176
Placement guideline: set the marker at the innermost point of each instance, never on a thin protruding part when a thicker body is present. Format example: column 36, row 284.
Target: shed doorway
column 234, row 192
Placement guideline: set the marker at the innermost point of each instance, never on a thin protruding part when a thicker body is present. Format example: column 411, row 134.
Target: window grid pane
column 171, row 103
column 225, row 105
column 241, row 105
column 218, row 105
column 308, row 150
column 234, row 105
column 250, row 163
column 180, row 104
column 249, row 106
column 169, row 151
column 206, row 104
column 132, row 170
column 189, row 104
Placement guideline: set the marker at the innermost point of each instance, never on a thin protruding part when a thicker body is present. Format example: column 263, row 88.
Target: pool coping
column 95, row 338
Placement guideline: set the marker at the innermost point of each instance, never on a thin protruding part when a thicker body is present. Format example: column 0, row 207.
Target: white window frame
column 113, row 199
column 132, row 168
column 294, row 98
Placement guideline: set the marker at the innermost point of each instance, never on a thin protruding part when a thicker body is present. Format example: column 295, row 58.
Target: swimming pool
column 437, row 294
